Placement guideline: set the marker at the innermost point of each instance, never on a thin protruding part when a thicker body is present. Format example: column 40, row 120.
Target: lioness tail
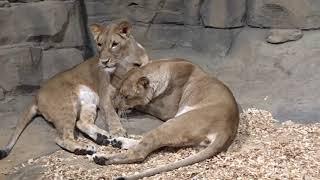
column 27, row 116
column 218, row 145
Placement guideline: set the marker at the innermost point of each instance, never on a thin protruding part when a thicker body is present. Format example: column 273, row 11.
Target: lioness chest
column 87, row 95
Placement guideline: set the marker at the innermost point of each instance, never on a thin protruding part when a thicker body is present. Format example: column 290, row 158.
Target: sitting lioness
column 70, row 99
column 198, row 110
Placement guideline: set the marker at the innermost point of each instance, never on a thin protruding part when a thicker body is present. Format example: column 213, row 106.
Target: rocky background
column 240, row 41
column 266, row 51
column 39, row 39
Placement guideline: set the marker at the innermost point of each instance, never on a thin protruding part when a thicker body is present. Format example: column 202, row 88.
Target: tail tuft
column 3, row 154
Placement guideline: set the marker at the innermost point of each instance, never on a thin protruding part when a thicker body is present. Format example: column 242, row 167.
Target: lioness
column 198, row 109
column 70, row 99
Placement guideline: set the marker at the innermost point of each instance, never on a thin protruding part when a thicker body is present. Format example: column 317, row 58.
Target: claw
column 102, row 140
column 100, row 160
column 83, row 152
column 116, row 144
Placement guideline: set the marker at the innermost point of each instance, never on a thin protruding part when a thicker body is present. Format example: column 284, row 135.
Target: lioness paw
column 125, row 143
column 103, row 140
column 100, row 160
column 115, row 143
column 90, row 150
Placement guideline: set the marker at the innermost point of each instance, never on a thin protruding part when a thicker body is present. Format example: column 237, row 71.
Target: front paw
column 118, row 132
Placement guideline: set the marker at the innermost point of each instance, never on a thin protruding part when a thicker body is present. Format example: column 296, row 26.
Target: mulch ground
column 263, row 149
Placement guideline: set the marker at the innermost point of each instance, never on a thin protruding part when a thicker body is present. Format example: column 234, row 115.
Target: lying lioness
column 198, row 109
column 71, row 98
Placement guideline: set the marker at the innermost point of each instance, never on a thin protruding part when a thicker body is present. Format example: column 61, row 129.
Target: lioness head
column 116, row 47
column 134, row 91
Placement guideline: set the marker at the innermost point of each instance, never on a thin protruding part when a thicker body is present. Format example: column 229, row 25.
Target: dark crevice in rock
column 133, row 4
column 88, row 41
column 58, row 37
column 24, row 89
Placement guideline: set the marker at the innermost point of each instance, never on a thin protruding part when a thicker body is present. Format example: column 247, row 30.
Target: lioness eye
column 136, row 64
column 99, row 44
column 114, row 44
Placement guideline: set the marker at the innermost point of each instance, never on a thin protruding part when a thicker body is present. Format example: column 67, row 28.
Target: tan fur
column 198, row 110
column 70, row 99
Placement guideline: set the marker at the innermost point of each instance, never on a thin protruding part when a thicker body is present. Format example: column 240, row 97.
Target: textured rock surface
column 223, row 13
column 33, row 21
column 276, row 36
column 136, row 10
column 57, row 60
column 34, row 33
column 1, row 94
column 19, row 66
column 303, row 14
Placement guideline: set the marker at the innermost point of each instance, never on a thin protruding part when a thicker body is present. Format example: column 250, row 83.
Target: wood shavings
column 263, row 149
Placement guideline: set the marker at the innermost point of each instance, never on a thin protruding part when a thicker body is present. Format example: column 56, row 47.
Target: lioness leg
column 115, row 127
column 164, row 135
column 67, row 141
column 65, row 124
column 86, row 124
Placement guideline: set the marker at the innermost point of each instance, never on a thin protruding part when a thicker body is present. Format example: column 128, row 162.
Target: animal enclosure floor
column 264, row 149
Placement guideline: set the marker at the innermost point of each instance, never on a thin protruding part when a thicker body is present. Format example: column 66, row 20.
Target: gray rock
column 172, row 12
column 4, row 4
column 19, row 66
column 205, row 40
column 73, row 34
column 192, row 12
column 48, row 23
column 139, row 32
column 169, row 17
column 57, row 60
column 179, row 12
column 24, row 1
column 32, row 22
column 138, row 13
column 135, row 10
column 168, row 36
column 223, row 13
column 213, row 41
column 105, row 10
column 282, row 79
column 1, row 94
column 301, row 14
column 277, row 36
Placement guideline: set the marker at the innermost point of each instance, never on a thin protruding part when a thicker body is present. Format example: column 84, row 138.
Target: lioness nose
column 105, row 61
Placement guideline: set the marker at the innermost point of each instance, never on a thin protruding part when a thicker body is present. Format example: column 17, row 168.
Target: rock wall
column 205, row 25
column 231, row 39
column 39, row 39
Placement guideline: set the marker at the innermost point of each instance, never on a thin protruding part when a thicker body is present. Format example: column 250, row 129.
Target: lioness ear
column 96, row 29
column 144, row 82
column 123, row 28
